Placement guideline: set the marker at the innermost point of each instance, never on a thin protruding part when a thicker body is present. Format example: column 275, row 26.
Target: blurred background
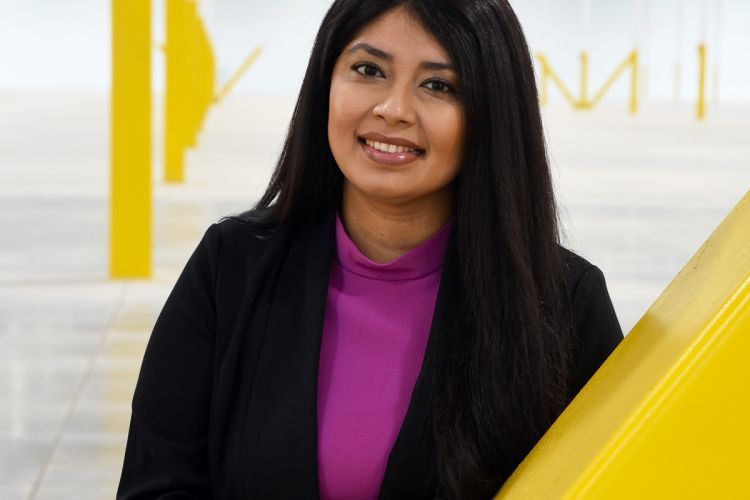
column 646, row 108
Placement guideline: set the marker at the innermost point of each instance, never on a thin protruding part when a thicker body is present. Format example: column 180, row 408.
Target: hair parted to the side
column 504, row 377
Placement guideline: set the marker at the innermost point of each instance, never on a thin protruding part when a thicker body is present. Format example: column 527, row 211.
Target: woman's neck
column 383, row 231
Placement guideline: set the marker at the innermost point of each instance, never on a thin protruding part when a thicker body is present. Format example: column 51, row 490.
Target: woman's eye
column 439, row 86
column 366, row 69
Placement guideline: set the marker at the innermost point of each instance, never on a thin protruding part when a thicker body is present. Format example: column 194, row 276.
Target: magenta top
column 377, row 323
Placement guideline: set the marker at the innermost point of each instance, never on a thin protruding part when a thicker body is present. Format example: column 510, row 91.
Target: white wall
column 54, row 44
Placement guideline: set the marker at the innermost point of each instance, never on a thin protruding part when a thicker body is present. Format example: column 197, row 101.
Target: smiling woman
column 395, row 318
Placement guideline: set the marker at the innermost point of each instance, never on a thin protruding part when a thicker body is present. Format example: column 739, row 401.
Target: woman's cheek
column 340, row 113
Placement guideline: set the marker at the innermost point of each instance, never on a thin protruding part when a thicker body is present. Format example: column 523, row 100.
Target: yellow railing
column 666, row 415
column 582, row 101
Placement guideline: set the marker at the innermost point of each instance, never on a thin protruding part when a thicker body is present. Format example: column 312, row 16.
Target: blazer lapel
column 282, row 428
column 411, row 472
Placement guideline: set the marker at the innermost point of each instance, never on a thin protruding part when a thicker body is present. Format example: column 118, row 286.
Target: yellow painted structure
column 583, row 99
column 227, row 88
column 700, row 107
column 583, row 102
column 130, row 140
column 666, row 416
column 190, row 76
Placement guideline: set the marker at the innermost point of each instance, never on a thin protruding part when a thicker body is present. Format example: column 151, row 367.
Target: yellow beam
column 130, row 180
column 549, row 73
column 666, row 415
column 190, row 75
column 206, row 74
column 631, row 61
column 175, row 95
column 583, row 100
column 612, row 79
column 700, row 107
column 544, row 89
column 634, row 82
column 238, row 74
column 193, row 64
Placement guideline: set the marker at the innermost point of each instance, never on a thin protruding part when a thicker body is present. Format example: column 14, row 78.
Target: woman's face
column 395, row 121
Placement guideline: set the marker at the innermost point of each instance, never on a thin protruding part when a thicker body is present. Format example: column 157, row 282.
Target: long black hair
column 506, row 377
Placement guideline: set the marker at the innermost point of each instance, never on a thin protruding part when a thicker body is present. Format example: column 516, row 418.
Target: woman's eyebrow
column 381, row 54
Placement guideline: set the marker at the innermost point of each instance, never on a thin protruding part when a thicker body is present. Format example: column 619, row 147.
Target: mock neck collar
column 422, row 260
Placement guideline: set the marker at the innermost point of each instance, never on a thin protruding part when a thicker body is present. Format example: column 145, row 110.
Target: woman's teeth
column 389, row 148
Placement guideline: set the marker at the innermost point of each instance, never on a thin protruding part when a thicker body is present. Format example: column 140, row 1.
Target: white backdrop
column 51, row 44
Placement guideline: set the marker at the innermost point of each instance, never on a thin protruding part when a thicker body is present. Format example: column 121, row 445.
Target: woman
column 395, row 318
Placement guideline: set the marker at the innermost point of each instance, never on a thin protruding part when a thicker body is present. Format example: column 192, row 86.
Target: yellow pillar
column 130, row 140
column 666, row 416
column 583, row 102
column 175, row 98
column 634, row 82
column 192, row 66
column 207, row 74
column 700, row 108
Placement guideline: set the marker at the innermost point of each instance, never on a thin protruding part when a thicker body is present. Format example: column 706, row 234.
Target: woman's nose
column 396, row 106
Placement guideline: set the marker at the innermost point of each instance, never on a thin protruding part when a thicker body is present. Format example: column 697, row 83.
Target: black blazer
column 225, row 404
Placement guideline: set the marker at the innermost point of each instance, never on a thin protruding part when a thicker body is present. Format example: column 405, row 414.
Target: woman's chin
column 380, row 192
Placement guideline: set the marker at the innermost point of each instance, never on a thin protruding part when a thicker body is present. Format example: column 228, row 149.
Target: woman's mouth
column 389, row 154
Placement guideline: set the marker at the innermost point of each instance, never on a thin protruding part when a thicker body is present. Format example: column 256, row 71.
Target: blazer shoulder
column 251, row 233
column 597, row 329
column 253, row 225
column 576, row 267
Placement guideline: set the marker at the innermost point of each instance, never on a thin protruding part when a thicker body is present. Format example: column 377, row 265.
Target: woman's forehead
column 398, row 33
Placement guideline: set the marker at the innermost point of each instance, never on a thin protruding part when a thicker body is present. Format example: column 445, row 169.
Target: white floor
column 638, row 195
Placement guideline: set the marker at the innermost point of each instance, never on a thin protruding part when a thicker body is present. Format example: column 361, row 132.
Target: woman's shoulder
column 597, row 329
column 258, row 224
column 581, row 276
column 575, row 266
column 236, row 242
column 250, row 231
column 586, row 287
column 258, row 237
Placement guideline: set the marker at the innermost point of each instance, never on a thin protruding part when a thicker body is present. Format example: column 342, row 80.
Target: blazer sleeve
column 166, row 455
column 597, row 330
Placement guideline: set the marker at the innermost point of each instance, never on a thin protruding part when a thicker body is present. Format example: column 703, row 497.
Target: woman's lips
column 389, row 158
